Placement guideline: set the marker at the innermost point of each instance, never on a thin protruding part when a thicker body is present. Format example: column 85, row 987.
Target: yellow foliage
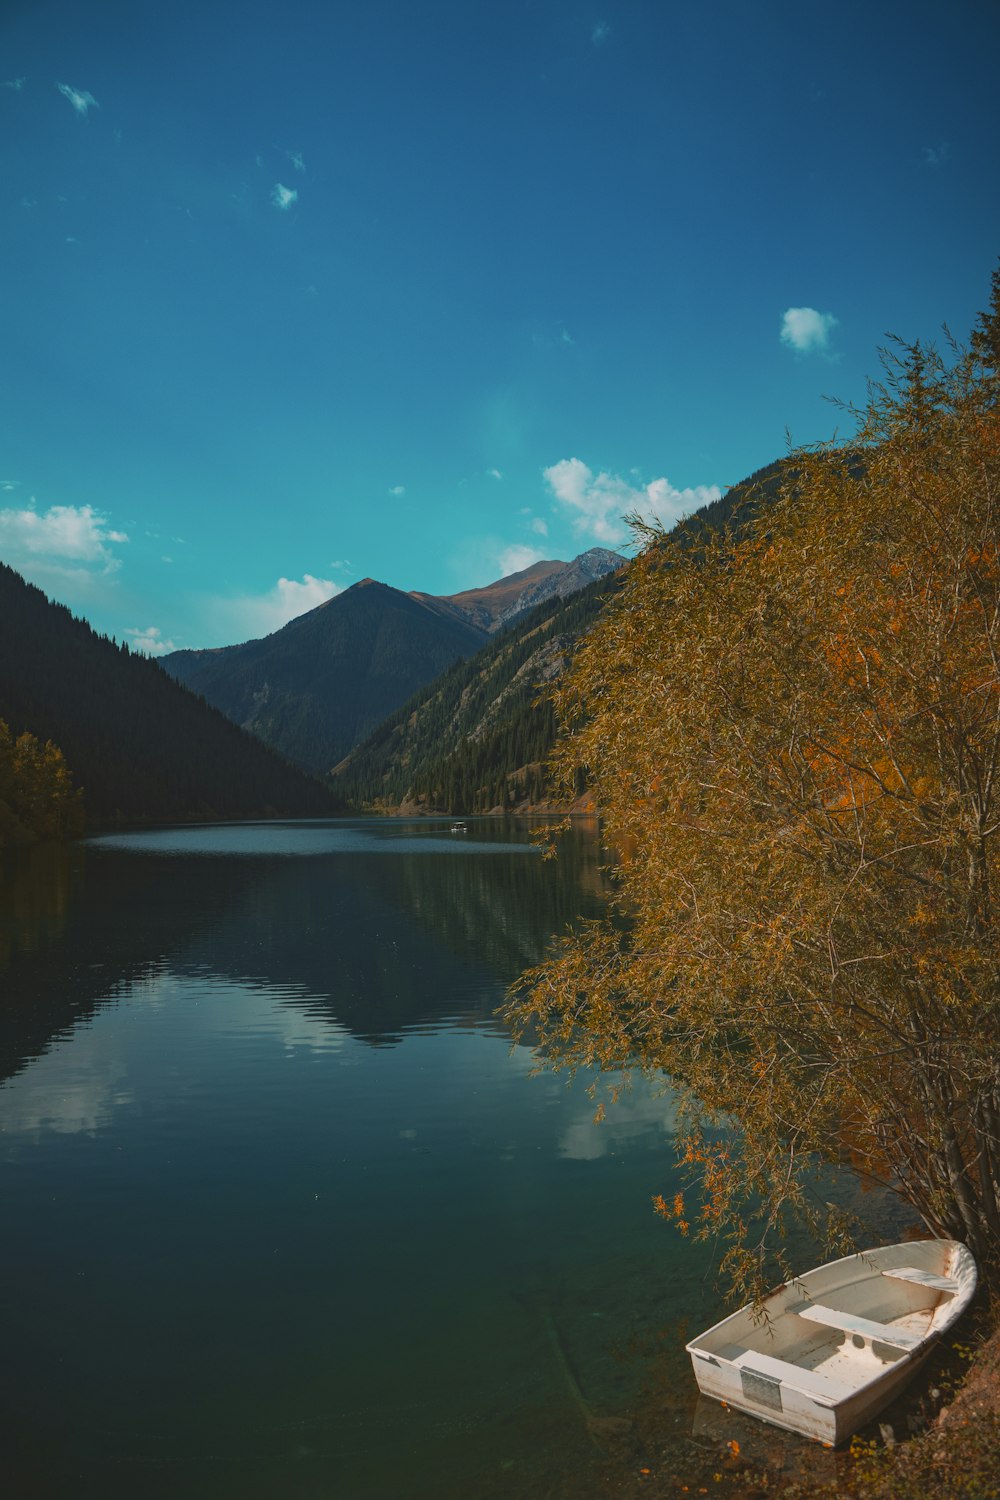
column 795, row 732
column 36, row 791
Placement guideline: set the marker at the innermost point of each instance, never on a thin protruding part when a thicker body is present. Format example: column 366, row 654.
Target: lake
column 284, row 1212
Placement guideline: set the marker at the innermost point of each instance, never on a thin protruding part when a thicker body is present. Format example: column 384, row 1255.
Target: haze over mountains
column 317, row 687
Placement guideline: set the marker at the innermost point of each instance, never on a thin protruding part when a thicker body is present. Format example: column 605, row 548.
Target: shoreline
column 940, row 1440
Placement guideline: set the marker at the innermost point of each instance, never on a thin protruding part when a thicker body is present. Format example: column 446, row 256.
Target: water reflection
column 34, row 895
column 647, row 1112
column 375, row 945
column 100, row 1070
column 255, row 1248
column 307, row 838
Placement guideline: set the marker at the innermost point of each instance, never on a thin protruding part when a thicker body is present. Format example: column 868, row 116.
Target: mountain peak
column 496, row 604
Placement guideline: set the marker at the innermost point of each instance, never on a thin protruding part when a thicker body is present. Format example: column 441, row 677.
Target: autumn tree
column 792, row 731
column 37, row 796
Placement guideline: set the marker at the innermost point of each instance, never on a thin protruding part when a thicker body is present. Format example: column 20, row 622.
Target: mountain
column 322, row 682
column 318, row 686
column 142, row 747
column 478, row 738
column 499, row 603
column 483, row 607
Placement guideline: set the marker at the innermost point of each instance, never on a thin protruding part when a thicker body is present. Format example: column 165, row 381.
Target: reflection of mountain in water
column 77, row 930
column 380, row 943
column 376, row 942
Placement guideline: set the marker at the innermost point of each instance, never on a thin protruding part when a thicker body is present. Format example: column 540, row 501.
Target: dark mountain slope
column 474, row 740
column 141, row 746
column 477, row 739
column 317, row 686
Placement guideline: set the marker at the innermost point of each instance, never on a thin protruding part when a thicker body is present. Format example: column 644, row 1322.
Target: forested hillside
column 321, row 683
column 140, row 746
column 477, row 739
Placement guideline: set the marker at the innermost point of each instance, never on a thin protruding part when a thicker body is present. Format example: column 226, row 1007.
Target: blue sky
column 295, row 295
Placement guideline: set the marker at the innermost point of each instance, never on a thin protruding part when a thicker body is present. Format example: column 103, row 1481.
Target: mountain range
column 418, row 702
column 318, row 686
column 477, row 739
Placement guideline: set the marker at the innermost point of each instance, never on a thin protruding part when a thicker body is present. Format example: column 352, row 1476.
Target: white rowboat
column 825, row 1353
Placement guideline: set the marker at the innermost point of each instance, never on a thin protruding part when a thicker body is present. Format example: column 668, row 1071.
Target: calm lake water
column 284, row 1214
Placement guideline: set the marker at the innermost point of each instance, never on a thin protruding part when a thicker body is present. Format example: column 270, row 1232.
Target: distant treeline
column 141, row 747
column 37, row 796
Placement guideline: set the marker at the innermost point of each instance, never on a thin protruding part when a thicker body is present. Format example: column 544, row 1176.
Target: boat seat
column 825, row 1389
column 900, row 1338
column 923, row 1278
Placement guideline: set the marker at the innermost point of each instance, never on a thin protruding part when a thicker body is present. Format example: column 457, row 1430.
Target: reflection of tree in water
column 77, row 929
column 37, row 887
column 34, row 893
column 376, row 942
column 503, row 909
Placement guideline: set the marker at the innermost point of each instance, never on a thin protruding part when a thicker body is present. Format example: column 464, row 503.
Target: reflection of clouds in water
column 254, row 1009
column 648, row 1108
column 72, row 1090
column 645, row 1110
column 152, row 1028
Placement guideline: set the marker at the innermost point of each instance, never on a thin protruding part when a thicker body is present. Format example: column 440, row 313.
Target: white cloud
column 17, row 84
column 805, row 329
column 80, row 99
column 515, row 559
column 283, row 197
column 252, row 615
column 76, row 533
column 397, row 490
column 9, row 484
column 494, row 474
column 598, row 502
column 540, row 526
column 150, row 641
column 295, row 157
column 600, row 33
column 935, row 156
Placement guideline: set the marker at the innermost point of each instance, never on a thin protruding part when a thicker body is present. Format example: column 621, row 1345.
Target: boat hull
column 798, row 1411
column 825, row 1353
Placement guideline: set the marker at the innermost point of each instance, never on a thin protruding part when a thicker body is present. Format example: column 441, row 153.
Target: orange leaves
column 793, row 734
column 672, row 1212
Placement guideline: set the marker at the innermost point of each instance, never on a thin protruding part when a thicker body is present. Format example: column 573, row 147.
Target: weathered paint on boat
column 825, row 1353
